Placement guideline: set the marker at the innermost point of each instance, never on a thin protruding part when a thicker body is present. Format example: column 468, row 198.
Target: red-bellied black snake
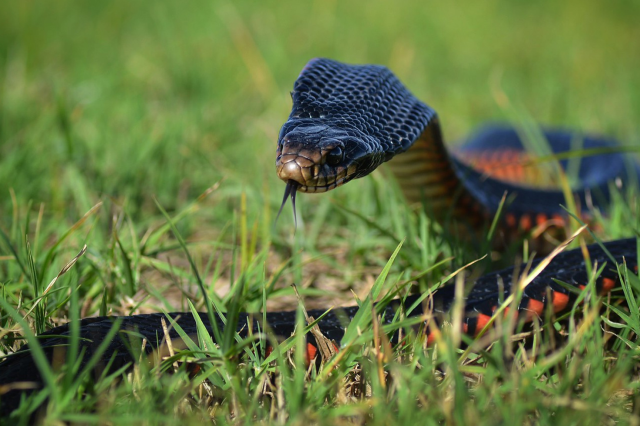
column 346, row 121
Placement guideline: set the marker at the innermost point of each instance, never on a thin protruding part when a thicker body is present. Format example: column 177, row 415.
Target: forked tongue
column 290, row 190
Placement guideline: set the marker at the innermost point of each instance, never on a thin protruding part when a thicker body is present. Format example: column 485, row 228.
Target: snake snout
column 295, row 167
column 291, row 171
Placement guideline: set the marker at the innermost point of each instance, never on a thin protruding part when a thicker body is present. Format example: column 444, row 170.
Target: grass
column 113, row 113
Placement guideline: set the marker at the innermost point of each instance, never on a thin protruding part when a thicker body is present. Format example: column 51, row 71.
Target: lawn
column 147, row 130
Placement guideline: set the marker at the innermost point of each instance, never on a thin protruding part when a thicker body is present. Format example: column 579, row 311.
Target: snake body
column 346, row 121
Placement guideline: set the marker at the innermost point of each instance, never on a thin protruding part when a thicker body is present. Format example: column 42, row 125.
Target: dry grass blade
column 523, row 282
column 169, row 342
column 327, row 347
column 63, row 271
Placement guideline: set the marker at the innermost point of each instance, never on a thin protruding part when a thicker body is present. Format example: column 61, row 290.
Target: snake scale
column 345, row 122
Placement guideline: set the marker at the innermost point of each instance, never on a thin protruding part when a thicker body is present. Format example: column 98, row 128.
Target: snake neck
column 426, row 173
column 464, row 203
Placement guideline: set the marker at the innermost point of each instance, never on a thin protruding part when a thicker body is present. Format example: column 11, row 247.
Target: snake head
column 319, row 157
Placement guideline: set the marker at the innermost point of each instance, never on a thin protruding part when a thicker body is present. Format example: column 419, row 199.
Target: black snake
column 346, row 121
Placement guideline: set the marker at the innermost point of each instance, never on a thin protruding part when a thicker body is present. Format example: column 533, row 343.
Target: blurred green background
column 123, row 101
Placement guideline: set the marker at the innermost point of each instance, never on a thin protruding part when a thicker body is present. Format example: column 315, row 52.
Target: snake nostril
column 335, row 156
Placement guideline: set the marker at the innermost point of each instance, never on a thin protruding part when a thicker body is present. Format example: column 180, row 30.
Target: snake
column 346, row 121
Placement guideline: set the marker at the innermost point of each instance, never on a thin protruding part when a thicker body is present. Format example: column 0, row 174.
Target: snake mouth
column 310, row 175
column 325, row 188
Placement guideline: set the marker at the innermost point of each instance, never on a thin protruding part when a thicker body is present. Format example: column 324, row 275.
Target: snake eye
column 335, row 156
